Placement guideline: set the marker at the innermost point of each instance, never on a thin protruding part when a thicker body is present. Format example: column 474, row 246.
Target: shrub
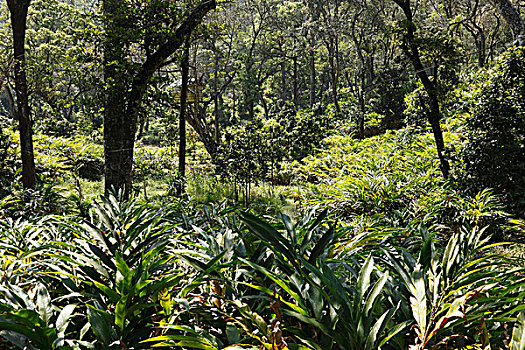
column 495, row 154
column 7, row 163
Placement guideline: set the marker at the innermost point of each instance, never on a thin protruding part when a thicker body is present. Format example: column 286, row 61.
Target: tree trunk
column 362, row 108
column 264, row 105
column 185, row 65
column 314, row 17
column 312, row 78
column 333, row 74
column 295, row 84
column 283, row 83
column 216, row 97
column 18, row 10
column 125, row 89
column 512, row 17
column 482, row 49
column 361, row 81
column 434, row 114
column 119, row 133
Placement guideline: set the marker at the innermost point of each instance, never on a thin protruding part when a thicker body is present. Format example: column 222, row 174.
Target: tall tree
column 129, row 65
column 185, row 66
column 18, row 10
column 513, row 18
column 411, row 49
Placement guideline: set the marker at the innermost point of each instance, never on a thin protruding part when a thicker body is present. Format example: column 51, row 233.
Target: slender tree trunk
column 482, row 49
column 295, row 84
column 361, row 81
column 18, row 10
column 216, row 98
column 434, row 114
column 265, row 105
column 185, row 65
column 141, row 129
column 312, row 78
column 314, row 17
column 283, row 83
column 361, row 97
column 333, row 74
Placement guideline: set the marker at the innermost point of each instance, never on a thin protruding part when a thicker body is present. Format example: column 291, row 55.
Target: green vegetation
column 350, row 176
column 142, row 276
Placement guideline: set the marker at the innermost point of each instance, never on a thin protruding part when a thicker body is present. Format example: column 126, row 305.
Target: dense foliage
column 132, row 276
column 495, row 155
column 350, row 177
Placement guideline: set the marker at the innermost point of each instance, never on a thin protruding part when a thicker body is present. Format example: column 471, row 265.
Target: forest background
column 260, row 174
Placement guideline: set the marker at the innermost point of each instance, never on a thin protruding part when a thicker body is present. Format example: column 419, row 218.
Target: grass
column 200, row 189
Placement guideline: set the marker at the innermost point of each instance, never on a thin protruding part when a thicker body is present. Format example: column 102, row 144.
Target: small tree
column 513, row 19
column 495, row 154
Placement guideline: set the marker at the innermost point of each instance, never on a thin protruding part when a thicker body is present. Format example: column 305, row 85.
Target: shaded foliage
column 495, row 156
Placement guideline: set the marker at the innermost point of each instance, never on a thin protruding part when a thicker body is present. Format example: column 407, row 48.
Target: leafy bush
column 255, row 150
column 394, row 180
column 7, row 163
column 494, row 155
column 449, row 290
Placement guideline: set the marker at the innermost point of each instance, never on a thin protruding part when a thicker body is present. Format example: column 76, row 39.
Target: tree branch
column 155, row 61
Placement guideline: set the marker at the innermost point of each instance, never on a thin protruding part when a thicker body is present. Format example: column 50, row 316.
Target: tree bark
column 333, row 74
column 360, row 90
column 312, row 78
column 216, row 97
column 125, row 90
column 18, row 10
column 283, row 83
column 434, row 114
column 295, row 84
column 185, row 65
column 481, row 43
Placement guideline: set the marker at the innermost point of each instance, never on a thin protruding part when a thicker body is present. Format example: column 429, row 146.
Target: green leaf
column 121, row 265
column 277, row 279
column 394, row 331
column 321, row 245
column 102, row 256
column 376, row 291
column 518, row 333
column 63, row 318
column 43, row 301
column 289, row 228
column 121, row 312
column 28, row 332
column 310, row 321
column 363, row 281
column 418, row 301
column 232, row 333
column 110, row 293
column 100, row 325
column 270, row 236
column 373, row 335
column 425, row 257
